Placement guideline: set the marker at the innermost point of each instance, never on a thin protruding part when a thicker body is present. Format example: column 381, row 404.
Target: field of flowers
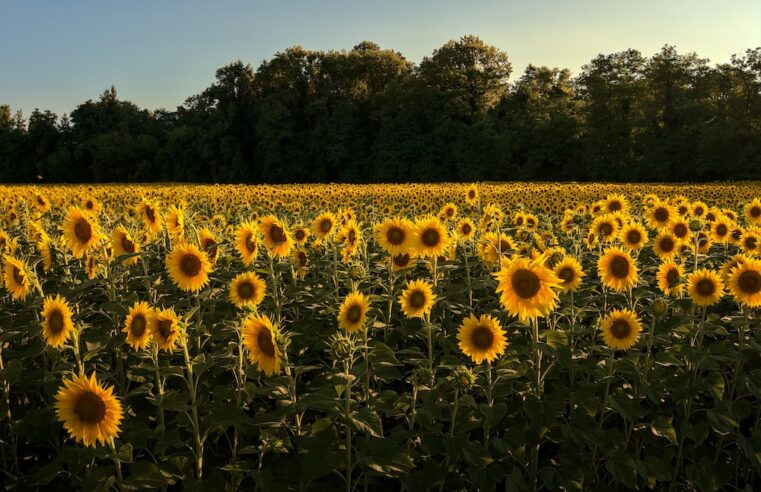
column 381, row 337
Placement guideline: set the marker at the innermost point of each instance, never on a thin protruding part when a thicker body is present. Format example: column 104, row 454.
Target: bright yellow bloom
column 89, row 412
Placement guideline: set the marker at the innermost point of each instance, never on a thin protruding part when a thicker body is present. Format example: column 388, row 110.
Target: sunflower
column 260, row 339
column 481, row 338
column 395, row 235
column 81, row 231
column 247, row 289
column 606, row 227
column 188, row 267
column 489, row 248
column 750, row 241
column 617, row 270
column 665, row 246
column 175, row 223
column 616, row 203
column 209, row 244
column 680, row 229
column 569, row 271
column 137, row 325
column 417, row 299
column 753, row 212
column 633, row 236
column 448, row 212
column 621, row 329
column 353, row 313
column 402, row 261
column 670, row 278
column 324, row 225
column 730, row 265
column 91, row 205
column 721, row 229
column 705, row 287
column 300, row 235
column 151, row 215
column 247, row 242
column 431, row 237
column 16, row 276
column 659, row 216
column 123, row 244
column 165, row 328
column 465, row 229
column 45, row 246
column 57, row 326
column 90, row 412
column 526, row 287
column 471, row 194
column 277, row 239
column 745, row 282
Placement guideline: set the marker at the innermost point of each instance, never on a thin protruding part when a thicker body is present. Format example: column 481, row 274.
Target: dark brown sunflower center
column 519, row 221
column 699, row 211
column 566, row 274
column 672, row 275
column 82, row 230
column 190, row 265
column 702, row 239
column 750, row 282
column 354, row 313
column 634, row 236
column 619, row 267
column 55, row 322
column 211, row 247
column 90, row 408
column 277, row 234
column 150, row 213
column 525, row 283
column 18, row 275
column 466, row 229
column 471, row 194
column 300, row 234
column 721, row 230
column 606, row 229
column 165, row 328
column 139, row 325
column 246, row 290
column 402, row 260
column 89, row 205
column 614, row 206
column 264, row 341
column 751, row 242
column 325, row 226
column 680, row 230
column 395, row 235
column 737, row 234
column 667, row 244
column 705, row 287
column 620, row 329
column 250, row 244
column 431, row 237
column 482, row 337
column 417, row 299
column 755, row 212
column 661, row 214
column 710, row 216
column 128, row 245
column 449, row 212
column 352, row 236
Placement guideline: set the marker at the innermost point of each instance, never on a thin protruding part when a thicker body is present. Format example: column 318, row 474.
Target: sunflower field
column 381, row 337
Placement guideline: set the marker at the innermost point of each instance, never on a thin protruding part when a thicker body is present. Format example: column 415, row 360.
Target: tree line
column 370, row 115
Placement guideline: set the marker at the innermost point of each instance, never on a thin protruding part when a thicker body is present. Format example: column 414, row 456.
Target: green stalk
column 192, row 387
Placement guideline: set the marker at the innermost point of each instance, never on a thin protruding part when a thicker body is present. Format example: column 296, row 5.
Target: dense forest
column 370, row 115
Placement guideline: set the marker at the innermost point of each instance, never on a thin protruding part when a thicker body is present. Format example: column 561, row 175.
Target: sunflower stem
column 77, row 353
column 275, row 288
column 347, row 416
column 454, row 410
column 191, row 382
column 159, row 386
column 429, row 329
column 467, row 275
column 489, row 402
column 651, row 335
column 118, row 465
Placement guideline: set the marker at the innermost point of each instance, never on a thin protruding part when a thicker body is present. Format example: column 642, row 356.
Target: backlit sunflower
column 90, row 412
column 481, row 338
column 431, row 237
column 569, row 271
column 260, row 339
column 16, row 275
column 188, row 267
column 277, row 239
column 81, row 231
column 395, row 235
column 57, row 326
column 247, row 290
column 124, row 244
column 166, row 329
column 324, row 225
column 621, row 329
column 352, row 315
column 417, row 299
column 617, row 270
column 745, row 282
column 149, row 211
column 137, row 325
column 665, row 246
column 247, row 242
column 526, row 287
column 705, row 287
column 670, row 278
column 633, row 236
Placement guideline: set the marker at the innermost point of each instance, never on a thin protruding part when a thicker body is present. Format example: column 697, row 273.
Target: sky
column 56, row 54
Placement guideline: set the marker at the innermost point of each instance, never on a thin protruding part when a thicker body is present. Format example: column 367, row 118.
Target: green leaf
column 662, row 428
column 367, row 421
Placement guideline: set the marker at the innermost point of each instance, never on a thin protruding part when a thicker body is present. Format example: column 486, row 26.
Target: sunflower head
column 261, row 340
column 57, row 326
column 745, row 282
column 621, row 329
column 137, row 325
column 81, row 231
column 617, row 269
column 569, row 272
column 417, row 299
column 352, row 315
column 17, row 278
column 89, row 412
column 633, row 236
column 166, row 329
column 188, row 267
column 277, row 238
column 123, row 244
column 670, row 278
column 247, row 290
column 247, row 242
column 705, row 287
column 481, row 338
column 395, row 235
column 431, row 237
column 324, row 225
column 526, row 288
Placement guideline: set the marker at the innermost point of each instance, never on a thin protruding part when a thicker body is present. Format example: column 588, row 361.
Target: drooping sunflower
column 633, row 236
column 260, row 339
column 665, row 246
column 431, row 237
column 149, row 211
column 81, row 231
column 417, row 299
column 395, row 235
column 124, row 244
column 89, row 412
column 209, row 244
column 481, row 338
column 137, row 325
column 247, row 289
column 705, row 287
column 621, row 329
column 166, row 329
column 526, row 288
column 277, row 238
column 17, row 279
column 324, row 225
column 745, row 282
column 188, row 267
column 753, row 212
column 352, row 315
column 617, row 270
column 569, row 271
column 247, row 242
column 670, row 278
column 57, row 326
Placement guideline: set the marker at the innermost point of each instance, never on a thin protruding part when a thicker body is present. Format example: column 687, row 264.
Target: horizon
column 157, row 57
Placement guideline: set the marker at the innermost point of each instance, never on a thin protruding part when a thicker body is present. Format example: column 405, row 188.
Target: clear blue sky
column 55, row 54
